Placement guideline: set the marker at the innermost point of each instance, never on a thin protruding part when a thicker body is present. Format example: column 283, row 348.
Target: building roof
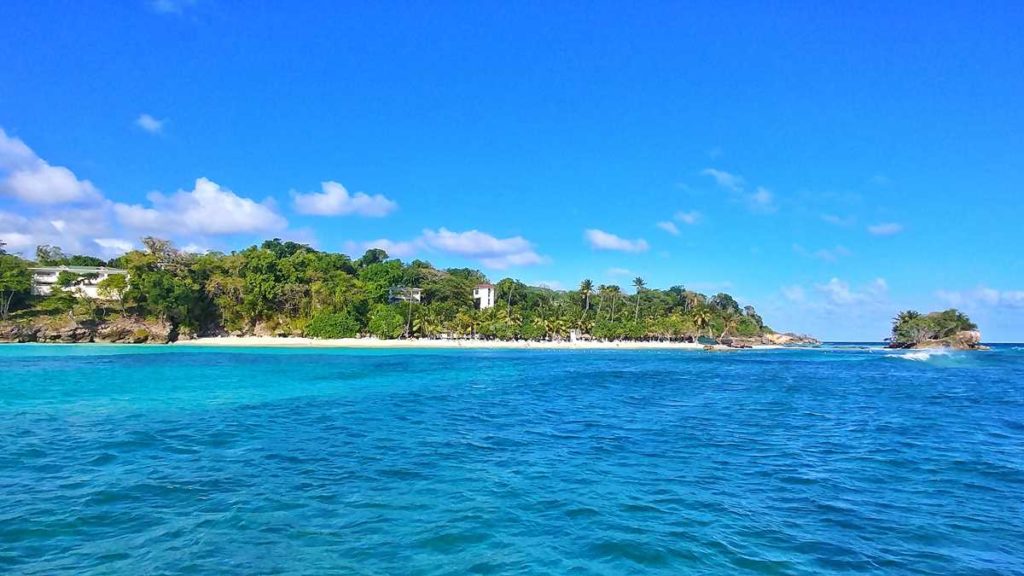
column 485, row 285
column 78, row 269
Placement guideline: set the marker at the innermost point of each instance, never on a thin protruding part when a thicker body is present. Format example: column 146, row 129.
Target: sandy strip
column 276, row 342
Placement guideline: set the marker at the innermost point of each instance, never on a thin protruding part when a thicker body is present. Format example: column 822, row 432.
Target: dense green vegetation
column 288, row 288
column 913, row 327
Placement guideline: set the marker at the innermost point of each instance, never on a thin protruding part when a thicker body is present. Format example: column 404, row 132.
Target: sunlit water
column 146, row 460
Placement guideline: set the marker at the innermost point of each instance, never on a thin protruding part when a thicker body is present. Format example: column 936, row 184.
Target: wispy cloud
column 397, row 249
column 725, row 179
column 690, row 218
column 619, row 272
column 491, row 251
column 601, row 240
column 669, row 227
column 150, row 124
column 839, row 293
column 761, row 199
column 983, row 297
column 885, row 229
column 836, row 220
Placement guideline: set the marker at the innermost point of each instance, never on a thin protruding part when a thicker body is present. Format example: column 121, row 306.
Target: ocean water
column 845, row 459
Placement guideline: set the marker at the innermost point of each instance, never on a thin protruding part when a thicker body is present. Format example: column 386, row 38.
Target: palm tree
column 729, row 322
column 702, row 320
column 586, row 289
column 616, row 293
column 639, row 284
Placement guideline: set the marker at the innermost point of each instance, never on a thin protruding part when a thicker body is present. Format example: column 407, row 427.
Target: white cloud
column 206, row 209
column 724, row 179
column 336, row 201
column 691, row 217
column 150, row 124
column 193, row 248
column 72, row 230
column 839, row 293
column 112, row 247
column 885, row 229
column 31, row 179
column 601, row 240
column 549, row 284
column 394, row 248
column 492, row 252
column 762, row 200
column 983, row 297
column 668, row 227
column 619, row 272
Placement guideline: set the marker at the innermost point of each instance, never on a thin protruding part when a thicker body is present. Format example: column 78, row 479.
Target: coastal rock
column 789, row 339
column 134, row 331
column 963, row 340
column 120, row 331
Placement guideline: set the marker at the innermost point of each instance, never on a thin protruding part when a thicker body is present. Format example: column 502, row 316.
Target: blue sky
column 829, row 166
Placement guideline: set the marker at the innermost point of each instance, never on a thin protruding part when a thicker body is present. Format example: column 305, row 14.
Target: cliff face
column 120, row 330
column 963, row 340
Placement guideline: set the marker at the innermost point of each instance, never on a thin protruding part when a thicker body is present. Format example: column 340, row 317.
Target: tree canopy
column 289, row 288
column 910, row 326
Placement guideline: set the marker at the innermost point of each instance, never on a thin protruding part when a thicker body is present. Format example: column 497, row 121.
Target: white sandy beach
column 276, row 342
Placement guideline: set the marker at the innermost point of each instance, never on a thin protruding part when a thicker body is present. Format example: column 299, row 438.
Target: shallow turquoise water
column 145, row 460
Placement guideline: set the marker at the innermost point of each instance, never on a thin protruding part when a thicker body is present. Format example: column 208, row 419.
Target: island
column 282, row 289
column 946, row 329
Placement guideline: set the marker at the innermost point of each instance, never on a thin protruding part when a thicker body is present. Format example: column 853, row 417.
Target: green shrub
column 331, row 325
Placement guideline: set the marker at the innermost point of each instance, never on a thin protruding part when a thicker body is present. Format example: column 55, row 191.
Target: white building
column 44, row 278
column 403, row 294
column 483, row 296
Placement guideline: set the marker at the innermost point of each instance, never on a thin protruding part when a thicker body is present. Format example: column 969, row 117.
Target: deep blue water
column 149, row 460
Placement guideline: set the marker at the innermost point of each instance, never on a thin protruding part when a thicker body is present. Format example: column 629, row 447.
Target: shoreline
column 375, row 343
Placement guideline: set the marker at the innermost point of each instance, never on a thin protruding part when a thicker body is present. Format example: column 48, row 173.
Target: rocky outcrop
column 789, row 339
column 120, row 330
column 963, row 340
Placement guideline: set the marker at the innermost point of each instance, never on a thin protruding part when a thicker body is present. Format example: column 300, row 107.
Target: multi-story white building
column 483, row 296
column 44, row 278
column 403, row 294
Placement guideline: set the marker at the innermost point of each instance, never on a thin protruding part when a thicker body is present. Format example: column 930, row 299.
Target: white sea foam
column 922, row 355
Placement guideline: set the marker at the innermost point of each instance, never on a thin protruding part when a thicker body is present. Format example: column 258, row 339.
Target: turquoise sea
column 845, row 459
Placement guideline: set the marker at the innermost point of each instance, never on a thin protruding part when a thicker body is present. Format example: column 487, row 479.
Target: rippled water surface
column 144, row 460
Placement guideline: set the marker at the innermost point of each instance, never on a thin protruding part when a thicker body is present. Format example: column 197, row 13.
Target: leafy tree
column 386, row 321
column 372, row 256
column 114, row 287
column 725, row 303
column 332, row 325
column 15, row 280
column 47, row 255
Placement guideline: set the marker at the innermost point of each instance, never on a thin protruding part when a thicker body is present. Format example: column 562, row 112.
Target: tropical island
column 283, row 289
column 946, row 329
